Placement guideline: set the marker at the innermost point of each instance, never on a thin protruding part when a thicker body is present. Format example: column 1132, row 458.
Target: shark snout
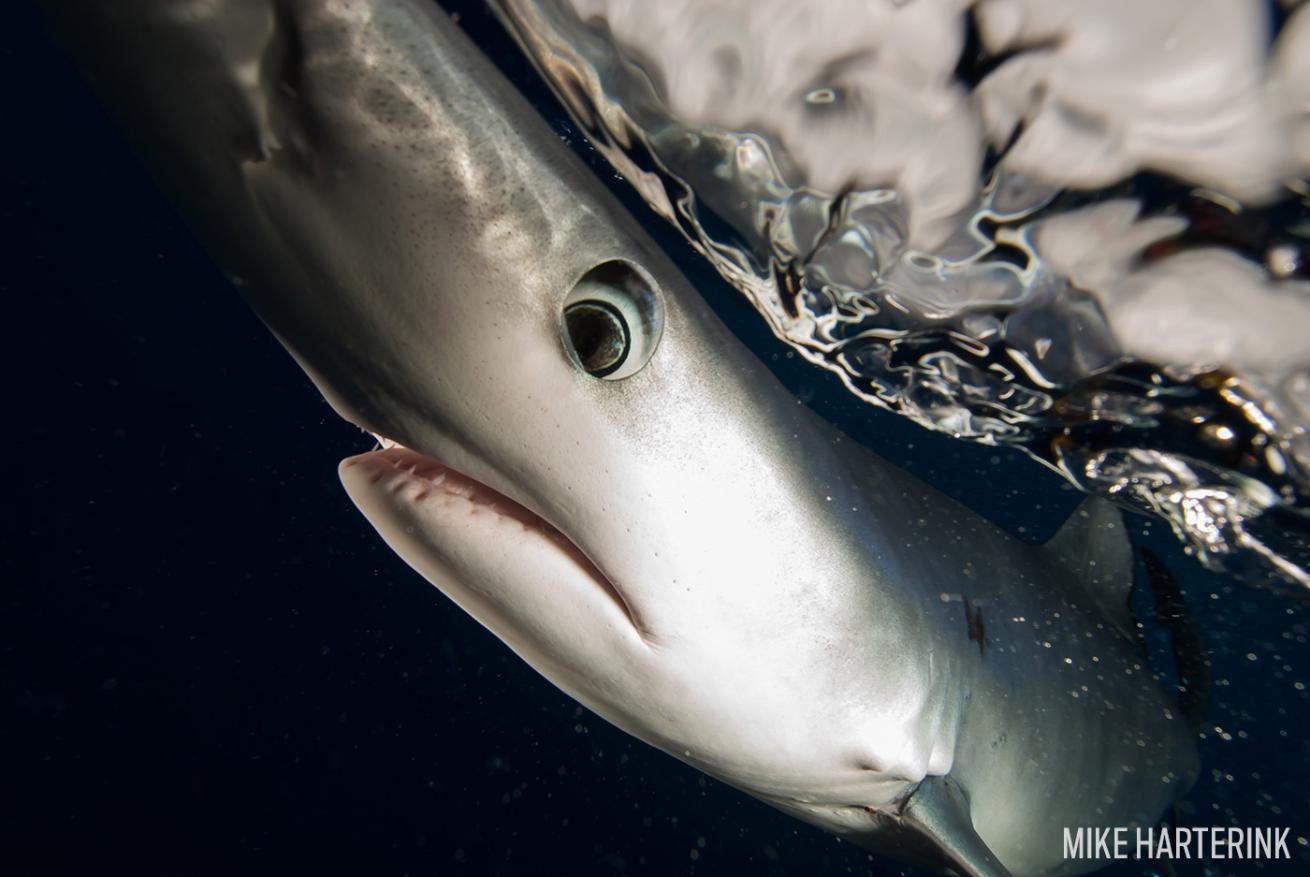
column 418, row 481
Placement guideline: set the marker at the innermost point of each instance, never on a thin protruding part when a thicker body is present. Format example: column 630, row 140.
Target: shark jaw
column 456, row 532
column 534, row 586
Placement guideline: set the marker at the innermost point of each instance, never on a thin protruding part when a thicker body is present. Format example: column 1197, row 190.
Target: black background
column 212, row 665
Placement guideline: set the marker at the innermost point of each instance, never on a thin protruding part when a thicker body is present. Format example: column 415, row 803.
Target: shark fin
column 1093, row 546
column 1191, row 658
column 938, row 811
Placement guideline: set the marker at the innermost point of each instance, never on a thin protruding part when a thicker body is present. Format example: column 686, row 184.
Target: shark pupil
column 599, row 335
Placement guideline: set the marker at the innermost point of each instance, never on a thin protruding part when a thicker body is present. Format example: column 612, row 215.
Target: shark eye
column 612, row 321
column 600, row 336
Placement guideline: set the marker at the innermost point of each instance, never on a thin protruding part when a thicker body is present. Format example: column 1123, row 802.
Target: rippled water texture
column 1081, row 229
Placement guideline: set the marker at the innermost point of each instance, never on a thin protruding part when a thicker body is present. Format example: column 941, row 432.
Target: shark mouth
column 418, row 484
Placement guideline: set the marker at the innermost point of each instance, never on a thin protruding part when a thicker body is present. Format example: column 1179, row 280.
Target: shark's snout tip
column 353, row 466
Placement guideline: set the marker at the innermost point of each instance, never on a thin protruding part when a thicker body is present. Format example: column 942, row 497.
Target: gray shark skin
column 679, row 545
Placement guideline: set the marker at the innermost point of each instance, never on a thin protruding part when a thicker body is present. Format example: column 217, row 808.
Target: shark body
column 581, row 456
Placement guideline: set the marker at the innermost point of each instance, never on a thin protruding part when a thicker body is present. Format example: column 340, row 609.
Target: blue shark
column 577, row 452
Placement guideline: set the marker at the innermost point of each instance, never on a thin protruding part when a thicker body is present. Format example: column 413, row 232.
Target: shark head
column 574, row 449
column 578, row 471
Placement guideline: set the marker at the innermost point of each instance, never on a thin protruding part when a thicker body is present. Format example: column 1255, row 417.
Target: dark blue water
column 211, row 665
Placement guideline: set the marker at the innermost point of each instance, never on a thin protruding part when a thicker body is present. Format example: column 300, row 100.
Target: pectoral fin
column 938, row 811
column 1093, row 546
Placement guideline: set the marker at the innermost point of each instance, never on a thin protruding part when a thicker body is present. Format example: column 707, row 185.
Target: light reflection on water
column 973, row 224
